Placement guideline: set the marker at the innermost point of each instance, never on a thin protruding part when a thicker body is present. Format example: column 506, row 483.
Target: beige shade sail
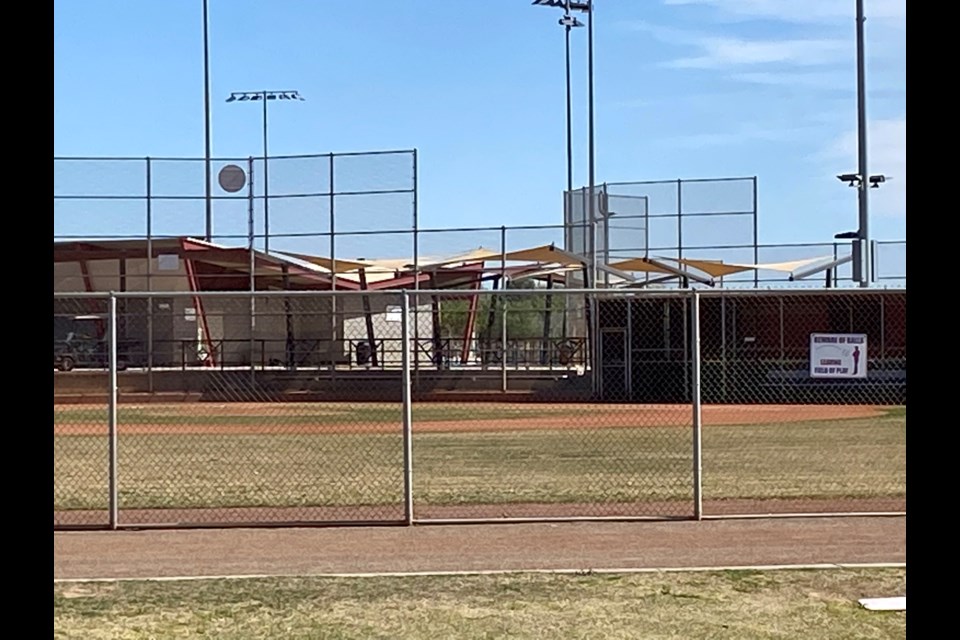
column 787, row 267
column 643, row 265
column 547, row 254
column 327, row 263
column 476, row 255
column 715, row 268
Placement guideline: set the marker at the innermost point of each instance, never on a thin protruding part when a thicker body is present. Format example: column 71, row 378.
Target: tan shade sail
column 475, row 255
column 716, row 268
column 327, row 263
column 547, row 254
column 642, row 265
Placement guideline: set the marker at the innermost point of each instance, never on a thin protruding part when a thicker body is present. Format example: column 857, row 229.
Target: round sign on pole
column 232, row 178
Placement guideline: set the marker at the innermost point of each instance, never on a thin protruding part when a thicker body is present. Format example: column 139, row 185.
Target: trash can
column 363, row 353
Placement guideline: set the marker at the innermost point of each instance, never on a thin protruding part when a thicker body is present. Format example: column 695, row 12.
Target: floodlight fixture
column 847, row 235
column 564, row 4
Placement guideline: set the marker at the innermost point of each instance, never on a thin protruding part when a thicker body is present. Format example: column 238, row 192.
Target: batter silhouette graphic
column 856, row 360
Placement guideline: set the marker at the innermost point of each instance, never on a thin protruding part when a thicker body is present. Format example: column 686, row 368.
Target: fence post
column 503, row 339
column 756, row 235
column 503, row 309
column 253, row 269
column 416, row 274
column 782, row 356
column 112, row 414
column 407, row 411
column 335, row 344
column 679, row 218
column 697, row 410
column 149, row 266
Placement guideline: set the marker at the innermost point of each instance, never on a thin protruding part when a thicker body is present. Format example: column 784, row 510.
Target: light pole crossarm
column 583, row 7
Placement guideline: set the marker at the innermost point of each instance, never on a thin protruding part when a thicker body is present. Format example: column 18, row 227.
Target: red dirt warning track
column 287, row 419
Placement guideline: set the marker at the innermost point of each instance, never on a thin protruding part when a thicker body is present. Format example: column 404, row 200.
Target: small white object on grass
column 898, row 603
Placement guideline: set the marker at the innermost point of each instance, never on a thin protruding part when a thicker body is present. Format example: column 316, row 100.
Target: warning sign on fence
column 838, row 355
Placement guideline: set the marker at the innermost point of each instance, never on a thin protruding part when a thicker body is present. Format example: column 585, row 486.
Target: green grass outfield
column 854, row 458
column 741, row 605
column 304, row 414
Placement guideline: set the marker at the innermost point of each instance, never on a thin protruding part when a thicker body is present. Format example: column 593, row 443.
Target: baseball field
column 207, row 462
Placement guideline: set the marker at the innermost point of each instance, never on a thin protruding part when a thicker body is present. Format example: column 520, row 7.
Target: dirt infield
column 189, row 418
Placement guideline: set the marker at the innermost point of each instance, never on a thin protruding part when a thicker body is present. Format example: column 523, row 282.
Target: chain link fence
column 476, row 404
column 825, row 376
column 81, row 456
column 526, row 437
column 329, row 204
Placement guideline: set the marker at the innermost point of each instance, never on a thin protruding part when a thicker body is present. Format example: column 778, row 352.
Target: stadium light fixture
column 564, row 4
column 848, row 235
column 265, row 97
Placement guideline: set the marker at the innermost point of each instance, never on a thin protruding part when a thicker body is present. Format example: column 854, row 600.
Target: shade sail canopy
column 715, row 268
column 791, row 266
column 476, row 255
column 328, row 263
column 642, row 265
column 547, row 254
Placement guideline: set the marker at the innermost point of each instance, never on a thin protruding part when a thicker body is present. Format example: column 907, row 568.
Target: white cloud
column 742, row 135
column 724, row 52
column 886, row 154
column 807, row 80
column 810, row 11
column 885, row 22
column 720, row 51
column 880, row 85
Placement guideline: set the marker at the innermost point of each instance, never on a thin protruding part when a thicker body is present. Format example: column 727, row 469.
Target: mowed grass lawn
column 817, row 459
column 741, row 605
column 312, row 414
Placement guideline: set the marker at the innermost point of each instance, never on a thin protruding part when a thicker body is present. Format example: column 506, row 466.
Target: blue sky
column 684, row 89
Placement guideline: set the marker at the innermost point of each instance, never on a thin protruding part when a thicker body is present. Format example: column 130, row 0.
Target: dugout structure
column 754, row 347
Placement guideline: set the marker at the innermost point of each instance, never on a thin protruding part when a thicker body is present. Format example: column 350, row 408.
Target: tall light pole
column 591, row 143
column 206, row 125
column 862, row 266
column 570, row 22
column 265, row 97
column 863, row 207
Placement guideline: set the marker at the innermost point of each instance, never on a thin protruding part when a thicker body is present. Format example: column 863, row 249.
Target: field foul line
column 500, row 572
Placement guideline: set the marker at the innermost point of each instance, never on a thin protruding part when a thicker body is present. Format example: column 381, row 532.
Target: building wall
column 105, row 276
column 228, row 319
column 385, row 311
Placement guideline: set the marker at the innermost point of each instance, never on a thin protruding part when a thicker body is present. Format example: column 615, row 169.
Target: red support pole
column 201, row 316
